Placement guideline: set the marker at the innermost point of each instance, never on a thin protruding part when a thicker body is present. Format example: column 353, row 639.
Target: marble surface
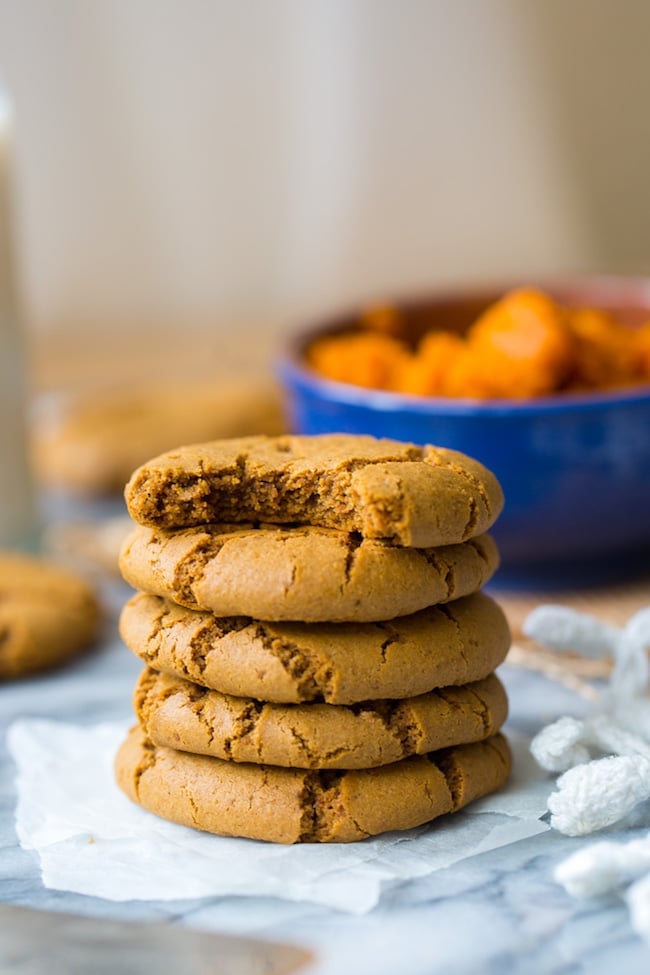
column 497, row 912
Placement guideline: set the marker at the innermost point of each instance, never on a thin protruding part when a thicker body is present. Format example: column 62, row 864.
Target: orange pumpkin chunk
column 426, row 373
column 608, row 353
column 366, row 358
column 523, row 344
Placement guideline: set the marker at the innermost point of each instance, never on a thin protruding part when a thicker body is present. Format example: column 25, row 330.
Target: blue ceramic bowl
column 575, row 469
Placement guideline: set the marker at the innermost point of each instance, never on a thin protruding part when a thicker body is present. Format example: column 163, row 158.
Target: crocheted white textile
column 604, row 758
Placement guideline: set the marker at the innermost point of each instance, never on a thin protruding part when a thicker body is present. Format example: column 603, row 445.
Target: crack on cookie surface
column 483, row 711
column 249, row 718
column 146, row 761
column 307, row 800
column 354, row 541
column 311, row 673
column 444, row 569
column 472, row 520
column 304, row 748
column 467, row 477
column 498, row 752
column 392, row 638
column 322, row 806
column 199, row 699
column 446, row 761
column 447, row 611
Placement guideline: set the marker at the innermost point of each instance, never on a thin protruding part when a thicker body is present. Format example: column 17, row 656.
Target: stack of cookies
column 319, row 658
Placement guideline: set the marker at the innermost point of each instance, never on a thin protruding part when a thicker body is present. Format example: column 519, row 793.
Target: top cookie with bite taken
column 416, row 496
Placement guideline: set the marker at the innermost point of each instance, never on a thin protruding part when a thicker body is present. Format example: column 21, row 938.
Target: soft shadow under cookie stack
column 319, row 657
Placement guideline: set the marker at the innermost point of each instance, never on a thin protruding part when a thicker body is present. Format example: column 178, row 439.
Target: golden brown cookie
column 94, row 444
column 339, row 663
column 284, row 805
column 306, row 574
column 47, row 614
column 175, row 713
column 415, row 496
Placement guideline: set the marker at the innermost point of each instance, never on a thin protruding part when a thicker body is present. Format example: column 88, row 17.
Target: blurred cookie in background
column 48, row 614
column 92, row 444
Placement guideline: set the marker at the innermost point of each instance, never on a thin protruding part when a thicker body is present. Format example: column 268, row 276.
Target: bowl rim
column 292, row 368
column 293, row 372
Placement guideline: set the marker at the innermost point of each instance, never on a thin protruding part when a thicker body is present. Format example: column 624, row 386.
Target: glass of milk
column 18, row 520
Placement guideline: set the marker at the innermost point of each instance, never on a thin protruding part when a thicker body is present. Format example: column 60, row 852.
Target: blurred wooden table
column 78, row 360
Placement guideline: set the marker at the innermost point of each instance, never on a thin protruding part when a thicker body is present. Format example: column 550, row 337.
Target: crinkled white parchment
column 90, row 839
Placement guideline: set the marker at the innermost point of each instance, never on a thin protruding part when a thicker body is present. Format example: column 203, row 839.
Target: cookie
column 175, row 713
column 339, row 663
column 94, row 444
column 414, row 496
column 283, row 805
column 47, row 615
column 306, row 574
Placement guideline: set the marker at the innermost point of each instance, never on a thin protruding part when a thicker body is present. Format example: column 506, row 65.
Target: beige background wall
column 214, row 162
